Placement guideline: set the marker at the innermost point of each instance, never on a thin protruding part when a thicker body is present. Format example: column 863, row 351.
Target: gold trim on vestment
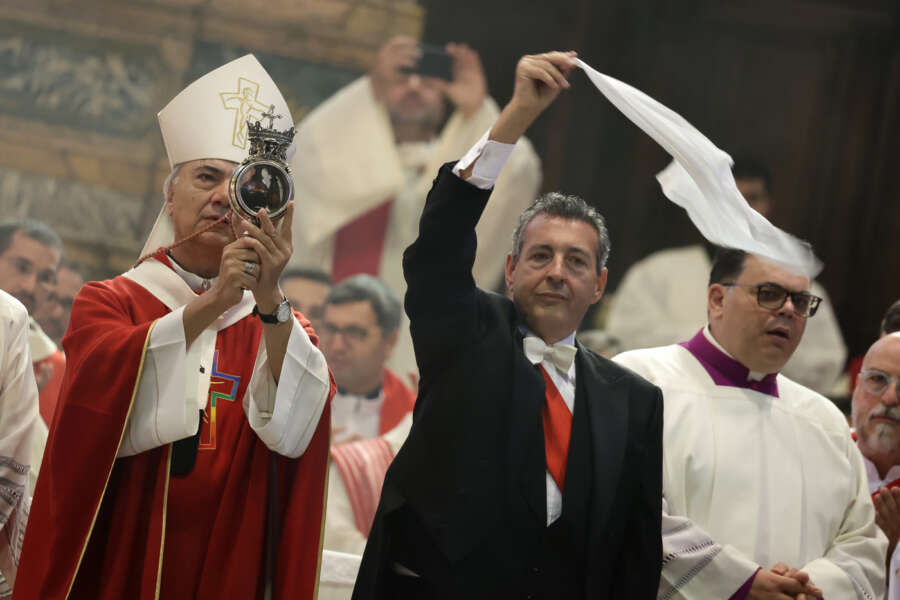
column 109, row 474
column 162, row 534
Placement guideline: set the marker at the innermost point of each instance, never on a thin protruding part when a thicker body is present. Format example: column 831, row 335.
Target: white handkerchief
column 699, row 179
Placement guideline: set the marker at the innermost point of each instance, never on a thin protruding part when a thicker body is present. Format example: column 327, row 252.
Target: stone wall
column 81, row 82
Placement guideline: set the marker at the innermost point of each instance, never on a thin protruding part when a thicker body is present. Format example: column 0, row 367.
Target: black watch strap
column 282, row 313
column 263, row 317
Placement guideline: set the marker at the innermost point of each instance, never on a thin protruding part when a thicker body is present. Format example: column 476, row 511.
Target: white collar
column 751, row 375
column 194, row 281
column 169, row 288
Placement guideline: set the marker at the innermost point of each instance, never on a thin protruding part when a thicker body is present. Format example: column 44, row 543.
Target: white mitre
column 208, row 119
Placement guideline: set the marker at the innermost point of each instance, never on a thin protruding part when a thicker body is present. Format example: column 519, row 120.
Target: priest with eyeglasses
column 764, row 491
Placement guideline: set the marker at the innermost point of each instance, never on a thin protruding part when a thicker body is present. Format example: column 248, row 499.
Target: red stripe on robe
column 359, row 244
column 362, row 466
column 97, row 527
column 399, row 400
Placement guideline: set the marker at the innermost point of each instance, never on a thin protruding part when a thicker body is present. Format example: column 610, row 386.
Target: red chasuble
column 103, row 528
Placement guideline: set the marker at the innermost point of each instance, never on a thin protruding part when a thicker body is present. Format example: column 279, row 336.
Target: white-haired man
column 876, row 420
column 189, row 450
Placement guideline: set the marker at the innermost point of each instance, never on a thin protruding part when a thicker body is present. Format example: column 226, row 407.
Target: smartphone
column 434, row 62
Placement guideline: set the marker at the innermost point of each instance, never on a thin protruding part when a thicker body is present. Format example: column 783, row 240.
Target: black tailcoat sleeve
column 464, row 501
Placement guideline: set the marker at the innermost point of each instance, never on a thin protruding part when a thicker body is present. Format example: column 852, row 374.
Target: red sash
column 362, row 466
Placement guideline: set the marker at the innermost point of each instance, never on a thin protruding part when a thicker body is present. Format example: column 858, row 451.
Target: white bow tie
column 561, row 355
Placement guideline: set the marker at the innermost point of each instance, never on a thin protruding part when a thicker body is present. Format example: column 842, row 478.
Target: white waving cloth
column 699, row 179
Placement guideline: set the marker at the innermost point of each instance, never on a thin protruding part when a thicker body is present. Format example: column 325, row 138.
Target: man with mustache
column 764, row 492
column 30, row 253
column 876, row 420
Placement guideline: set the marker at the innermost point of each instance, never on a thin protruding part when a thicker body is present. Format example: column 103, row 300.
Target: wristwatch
column 281, row 315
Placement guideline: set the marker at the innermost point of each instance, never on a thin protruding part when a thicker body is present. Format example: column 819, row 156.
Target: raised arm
column 440, row 298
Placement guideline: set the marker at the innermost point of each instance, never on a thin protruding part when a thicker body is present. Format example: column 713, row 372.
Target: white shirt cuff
column 489, row 157
column 173, row 381
column 285, row 416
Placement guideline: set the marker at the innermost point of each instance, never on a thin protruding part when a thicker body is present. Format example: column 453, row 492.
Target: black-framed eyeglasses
column 773, row 297
column 876, row 381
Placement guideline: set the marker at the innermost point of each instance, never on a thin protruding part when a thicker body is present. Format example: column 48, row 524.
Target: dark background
column 812, row 88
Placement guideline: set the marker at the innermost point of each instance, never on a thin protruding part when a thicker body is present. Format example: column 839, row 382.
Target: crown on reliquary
column 268, row 142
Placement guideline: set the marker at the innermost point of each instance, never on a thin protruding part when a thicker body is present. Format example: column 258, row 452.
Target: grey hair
column 171, row 178
column 36, row 230
column 555, row 204
column 384, row 301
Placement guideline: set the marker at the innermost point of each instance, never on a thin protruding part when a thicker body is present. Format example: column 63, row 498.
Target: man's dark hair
column 751, row 167
column 556, row 204
column 36, row 230
column 311, row 273
column 727, row 266
column 891, row 321
column 384, row 302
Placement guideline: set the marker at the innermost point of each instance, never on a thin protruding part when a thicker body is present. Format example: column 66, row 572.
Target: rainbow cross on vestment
column 217, row 378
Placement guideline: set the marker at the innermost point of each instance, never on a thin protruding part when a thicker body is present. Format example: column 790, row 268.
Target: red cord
column 224, row 218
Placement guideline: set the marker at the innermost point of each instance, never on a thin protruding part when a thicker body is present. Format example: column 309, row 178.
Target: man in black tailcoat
column 533, row 469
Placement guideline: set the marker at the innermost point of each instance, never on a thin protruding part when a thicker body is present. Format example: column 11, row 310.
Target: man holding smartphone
column 366, row 158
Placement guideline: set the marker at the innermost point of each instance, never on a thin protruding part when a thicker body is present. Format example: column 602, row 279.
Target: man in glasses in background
column 360, row 319
column 371, row 413
column 764, row 492
column 876, row 420
column 661, row 298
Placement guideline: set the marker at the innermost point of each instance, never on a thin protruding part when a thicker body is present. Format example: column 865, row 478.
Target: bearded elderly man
column 189, row 449
column 533, row 465
column 765, row 493
column 876, row 420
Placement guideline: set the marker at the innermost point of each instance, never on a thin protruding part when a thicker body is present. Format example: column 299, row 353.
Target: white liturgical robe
column 662, row 300
column 756, row 470
column 348, row 163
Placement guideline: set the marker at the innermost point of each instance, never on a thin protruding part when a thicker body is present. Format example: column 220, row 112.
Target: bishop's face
column 555, row 278
column 197, row 197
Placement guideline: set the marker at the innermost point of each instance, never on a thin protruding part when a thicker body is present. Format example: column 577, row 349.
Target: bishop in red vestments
column 188, row 455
